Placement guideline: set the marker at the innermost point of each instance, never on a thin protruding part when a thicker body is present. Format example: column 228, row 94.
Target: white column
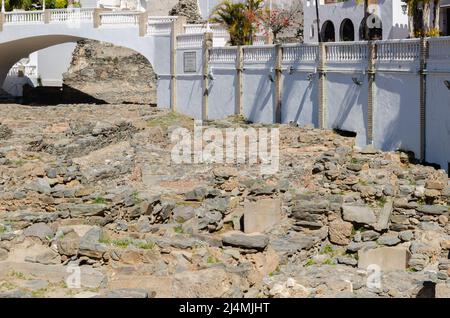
column 43, row 5
column 3, row 6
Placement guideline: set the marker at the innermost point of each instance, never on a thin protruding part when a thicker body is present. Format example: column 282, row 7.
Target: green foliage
column 240, row 19
column 178, row 229
column 34, row 4
column 99, row 200
column 145, row 245
column 212, row 260
column 122, row 242
column 310, row 262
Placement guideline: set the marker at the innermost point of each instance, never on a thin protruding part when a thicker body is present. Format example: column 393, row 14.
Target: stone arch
column 13, row 51
column 328, row 32
column 347, row 30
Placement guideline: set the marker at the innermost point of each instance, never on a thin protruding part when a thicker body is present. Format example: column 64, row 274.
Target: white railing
column 223, row 55
column 302, row 52
column 216, row 29
column 24, row 17
column 118, row 17
column 439, row 48
column 159, row 28
column 259, row 40
column 398, row 50
column 346, row 51
column 162, row 19
column 259, row 53
column 29, row 70
column 189, row 41
column 75, row 14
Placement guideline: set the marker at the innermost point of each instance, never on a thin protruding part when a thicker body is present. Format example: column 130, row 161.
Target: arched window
column 375, row 29
column 327, row 33
column 347, row 30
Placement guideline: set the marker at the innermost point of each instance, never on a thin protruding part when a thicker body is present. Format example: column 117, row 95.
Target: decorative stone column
column 322, row 102
column 239, row 80
column 176, row 29
column 143, row 23
column 278, row 79
column 2, row 20
column 423, row 97
column 207, row 45
column 47, row 16
column 96, row 17
column 371, row 93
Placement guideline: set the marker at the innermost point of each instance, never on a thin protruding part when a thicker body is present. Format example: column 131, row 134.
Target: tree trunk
column 436, row 14
column 426, row 16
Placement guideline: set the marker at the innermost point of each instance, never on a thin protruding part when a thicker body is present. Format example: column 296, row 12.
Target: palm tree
column 239, row 19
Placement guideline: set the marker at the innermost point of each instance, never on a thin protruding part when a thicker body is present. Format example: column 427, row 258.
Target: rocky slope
column 111, row 74
column 94, row 190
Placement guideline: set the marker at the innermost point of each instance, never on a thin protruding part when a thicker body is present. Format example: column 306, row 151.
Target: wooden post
column 322, row 87
column 177, row 28
column 239, row 80
column 97, row 20
column 207, row 45
column 47, row 16
column 2, row 20
column 143, row 23
column 371, row 92
column 278, row 79
column 423, row 97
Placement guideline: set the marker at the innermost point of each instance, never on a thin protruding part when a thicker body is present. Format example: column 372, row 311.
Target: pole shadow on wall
column 354, row 97
column 264, row 92
column 289, row 88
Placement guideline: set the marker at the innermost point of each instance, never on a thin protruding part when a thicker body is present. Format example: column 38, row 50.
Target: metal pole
column 208, row 27
column 319, row 36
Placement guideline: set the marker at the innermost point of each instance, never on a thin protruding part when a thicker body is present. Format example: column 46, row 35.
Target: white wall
column 53, row 62
column 299, row 104
column 396, row 114
column 189, row 85
column 222, row 93
column 347, row 104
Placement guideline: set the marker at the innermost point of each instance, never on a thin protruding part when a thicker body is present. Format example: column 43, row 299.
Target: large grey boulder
column 40, row 230
column 90, row 244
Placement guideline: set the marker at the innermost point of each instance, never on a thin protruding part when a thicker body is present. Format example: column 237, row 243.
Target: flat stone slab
column 387, row 258
column 358, row 214
column 249, row 241
column 261, row 215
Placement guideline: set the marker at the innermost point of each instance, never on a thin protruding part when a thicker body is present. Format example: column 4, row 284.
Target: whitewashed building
column 344, row 20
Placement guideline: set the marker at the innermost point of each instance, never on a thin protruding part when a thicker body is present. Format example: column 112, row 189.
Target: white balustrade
column 159, row 28
column 162, row 19
column 346, row 51
column 119, row 17
column 259, row 53
column 216, row 29
column 398, row 50
column 302, row 52
column 439, row 48
column 73, row 14
column 24, row 17
column 189, row 41
column 223, row 55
